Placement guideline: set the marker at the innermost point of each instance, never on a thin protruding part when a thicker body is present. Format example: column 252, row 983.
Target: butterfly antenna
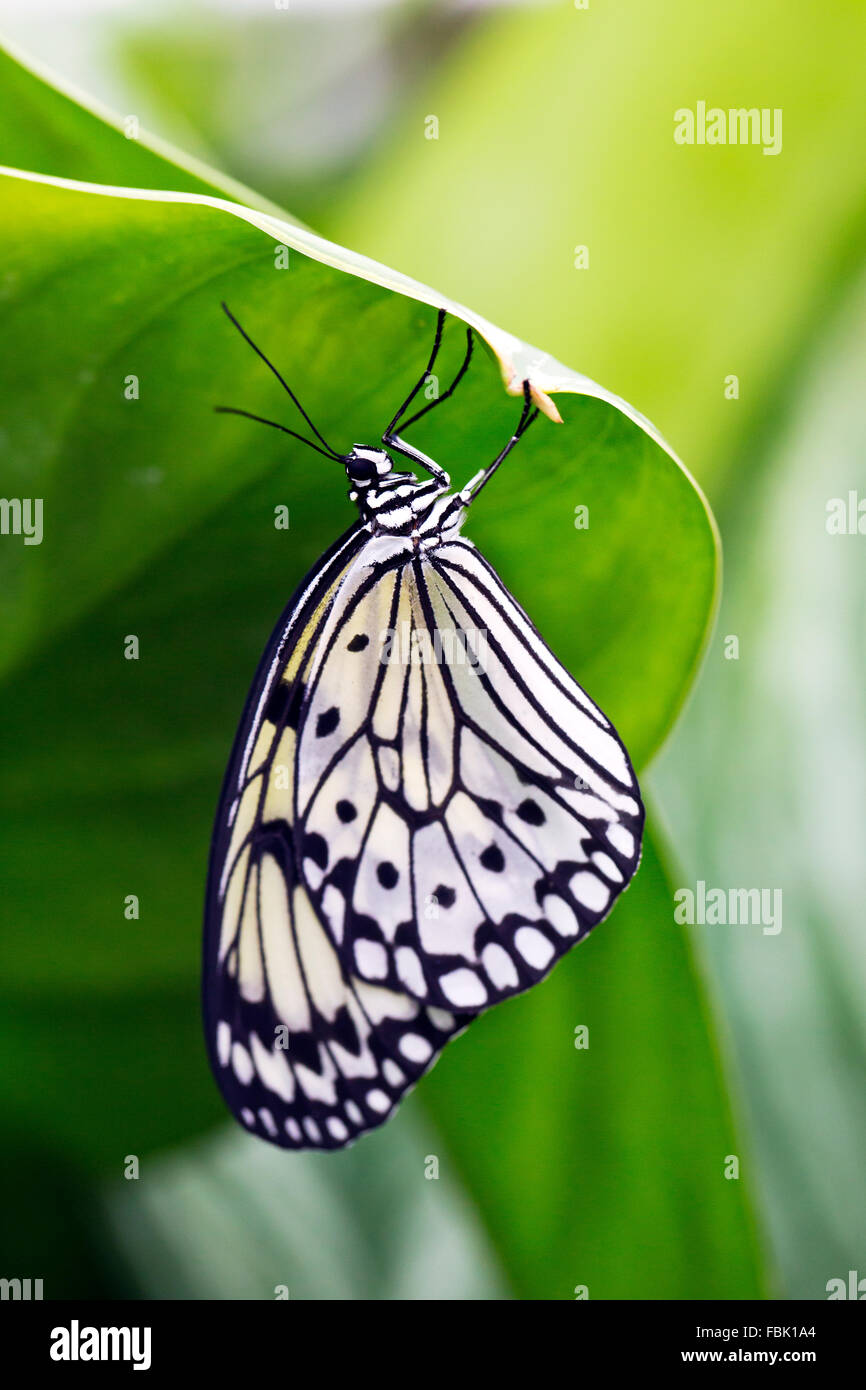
column 232, row 410
column 331, row 453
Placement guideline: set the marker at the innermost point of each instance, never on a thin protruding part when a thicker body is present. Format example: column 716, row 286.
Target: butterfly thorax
column 400, row 503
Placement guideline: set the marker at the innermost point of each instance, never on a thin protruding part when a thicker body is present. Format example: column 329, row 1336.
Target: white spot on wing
column 392, row 1074
column 621, row 839
column 273, row 1069
column 410, row 971
column 441, row 1019
column 379, row 1003
column 319, row 1085
column 378, row 1101
column 590, row 891
column 560, row 916
column 535, row 948
column 463, row 988
column 242, row 1064
column 499, row 966
column 371, row 959
column 607, row 866
column 415, row 1048
column 334, row 908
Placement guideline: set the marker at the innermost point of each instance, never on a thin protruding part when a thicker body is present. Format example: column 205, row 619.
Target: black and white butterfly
column 422, row 812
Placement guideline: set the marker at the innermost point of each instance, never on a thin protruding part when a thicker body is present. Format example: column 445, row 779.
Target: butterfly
column 422, row 812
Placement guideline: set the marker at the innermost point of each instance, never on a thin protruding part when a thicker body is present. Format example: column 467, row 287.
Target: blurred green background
column 607, row 1168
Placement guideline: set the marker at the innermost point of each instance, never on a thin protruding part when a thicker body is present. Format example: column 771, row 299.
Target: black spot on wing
column 358, row 642
column 316, row 848
column 530, row 812
column 327, row 722
column 284, row 703
column 345, row 1032
column 493, row 859
column 387, row 874
column 304, row 1048
column 343, row 876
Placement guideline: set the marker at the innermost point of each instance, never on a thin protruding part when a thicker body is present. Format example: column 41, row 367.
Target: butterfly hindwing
column 474, row 814
column 306, row 1054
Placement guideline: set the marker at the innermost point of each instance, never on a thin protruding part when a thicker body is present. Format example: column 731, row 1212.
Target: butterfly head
column 367, row 466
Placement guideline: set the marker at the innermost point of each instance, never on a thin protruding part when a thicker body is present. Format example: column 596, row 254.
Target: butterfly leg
column 470, row 343
column 415, row 455
column 389, row 436
column 409, row 451
column 528, row 414
column 437, row 343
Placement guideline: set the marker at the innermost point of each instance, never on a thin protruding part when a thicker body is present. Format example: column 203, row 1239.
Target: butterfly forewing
column 473, row 814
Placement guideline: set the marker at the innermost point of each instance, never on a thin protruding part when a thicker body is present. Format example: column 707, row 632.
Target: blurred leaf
column 556, row 131
column 779, row 734
column 49, row 127
column 292, row 98
column 90, row 1077
column 231, row 1218
column 51, row 1230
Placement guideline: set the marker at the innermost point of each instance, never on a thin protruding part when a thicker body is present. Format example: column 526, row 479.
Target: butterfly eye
column 362, row 470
